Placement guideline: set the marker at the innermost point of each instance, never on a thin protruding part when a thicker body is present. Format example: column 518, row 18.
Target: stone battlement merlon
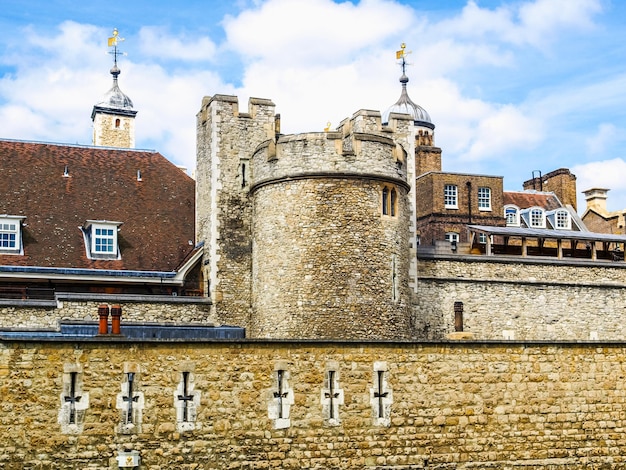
column 256, row 106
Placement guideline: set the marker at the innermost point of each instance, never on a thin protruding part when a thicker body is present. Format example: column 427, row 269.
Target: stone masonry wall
column 29, row 315
column 536, row 299
column 106, row 134
column 317, row 205
column 226, row 139
column 461, row 406
column 327, row 263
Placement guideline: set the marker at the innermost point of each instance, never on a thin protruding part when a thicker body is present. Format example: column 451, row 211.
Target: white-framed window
column 484, row 199
column 450, row 196
column 101, row 239
column 452, row 237
column 482, row 238
column 11, row 234
column 535, row 217
column 511, row 213
column 561, row 219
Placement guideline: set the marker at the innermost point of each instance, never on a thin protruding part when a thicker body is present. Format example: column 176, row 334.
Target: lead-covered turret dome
column 115, row 98
column 404, row 104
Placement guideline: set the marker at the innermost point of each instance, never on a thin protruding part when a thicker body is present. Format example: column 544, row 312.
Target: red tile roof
column 526, row 199
column 157, row 213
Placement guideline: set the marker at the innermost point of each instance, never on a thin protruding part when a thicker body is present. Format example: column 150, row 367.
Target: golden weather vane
column 401, row 54
column 113, row 41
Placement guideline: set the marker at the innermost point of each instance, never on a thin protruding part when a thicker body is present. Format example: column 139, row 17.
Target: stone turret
column 113, row 116
column 288, row 221
column 225, row 141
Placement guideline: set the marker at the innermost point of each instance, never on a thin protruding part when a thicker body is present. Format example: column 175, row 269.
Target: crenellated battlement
column 361, row 147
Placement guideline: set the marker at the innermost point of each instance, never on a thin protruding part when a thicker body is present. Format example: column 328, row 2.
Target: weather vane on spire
column 113, row 40
column 401, row 54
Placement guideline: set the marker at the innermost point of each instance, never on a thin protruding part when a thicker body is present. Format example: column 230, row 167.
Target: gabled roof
column 156, row 210
column 526, row 199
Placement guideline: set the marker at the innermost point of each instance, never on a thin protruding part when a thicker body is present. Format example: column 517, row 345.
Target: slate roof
column 526, row 199
column 157, row 212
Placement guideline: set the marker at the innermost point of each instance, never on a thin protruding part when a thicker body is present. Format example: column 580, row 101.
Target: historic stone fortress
column 345, row 305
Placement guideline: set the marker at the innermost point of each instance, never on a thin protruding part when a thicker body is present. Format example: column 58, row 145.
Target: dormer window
column 535, row 217
column 511, row 213
column 101, row 239
column 11, row 234
column 560, row 219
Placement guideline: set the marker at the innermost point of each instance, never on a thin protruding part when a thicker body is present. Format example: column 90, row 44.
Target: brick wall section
column 427, row 158
column 596, row 223
column 462, row 406
column 434, row 220
column 561, row 182
column 536, row 300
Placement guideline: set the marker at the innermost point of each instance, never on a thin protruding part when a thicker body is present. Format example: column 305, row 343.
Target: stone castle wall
column 542, row 299
column 461, row 406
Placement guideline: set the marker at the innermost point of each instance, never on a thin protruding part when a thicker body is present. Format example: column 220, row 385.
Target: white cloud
column 314, row 31
column 319, row 61
column 607, row 174
column 601, row 174
column 158, row 42
column 598, row 143
column 535, row 23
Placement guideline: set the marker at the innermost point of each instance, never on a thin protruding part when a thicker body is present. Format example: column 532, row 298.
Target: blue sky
column 512, row 86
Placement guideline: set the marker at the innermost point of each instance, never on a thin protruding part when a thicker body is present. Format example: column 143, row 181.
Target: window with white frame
column 537, row 217
column 101, row 239
column 452, row 237
column 511, row 213
column 11, row 234
column 484, row 199
column 450, row 196
column 562, row 220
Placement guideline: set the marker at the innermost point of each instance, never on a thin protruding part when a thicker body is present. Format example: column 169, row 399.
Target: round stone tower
column 331, row 253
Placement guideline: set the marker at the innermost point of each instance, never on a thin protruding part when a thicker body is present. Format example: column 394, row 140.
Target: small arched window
column 389, row 201
column 537, row 217
column 385, row 200
column 118, row 123
column 560, row 219
column 511, row 213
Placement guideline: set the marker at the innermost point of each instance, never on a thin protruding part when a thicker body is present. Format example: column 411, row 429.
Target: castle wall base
column 450, row 405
